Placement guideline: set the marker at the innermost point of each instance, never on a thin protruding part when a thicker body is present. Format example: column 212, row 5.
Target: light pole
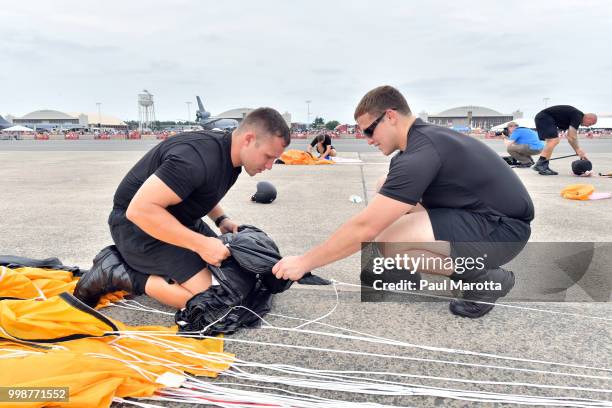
column 188, row 110
column 99, row 104
column 308, row 117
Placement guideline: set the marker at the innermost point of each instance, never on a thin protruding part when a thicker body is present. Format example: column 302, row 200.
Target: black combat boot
column 542, row 168
column 109, row 273
column 467, row 307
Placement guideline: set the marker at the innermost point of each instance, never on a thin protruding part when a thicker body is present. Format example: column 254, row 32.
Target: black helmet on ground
column 266, row 193
column 581, row 166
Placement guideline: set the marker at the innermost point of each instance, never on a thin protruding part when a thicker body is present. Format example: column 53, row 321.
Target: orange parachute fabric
column 17, row 285
column 96, row 369
column 64, row 318
column 58, row 318
column 301, row 157
column 58, row 341
column 578, row 191
column 40, row 283
column 92, row 381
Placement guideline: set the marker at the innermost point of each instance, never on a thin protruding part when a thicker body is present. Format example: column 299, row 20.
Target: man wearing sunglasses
column 446, row 195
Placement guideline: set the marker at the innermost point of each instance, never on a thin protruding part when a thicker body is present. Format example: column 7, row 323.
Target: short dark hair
column 270, row 121
column 321, row 137
column 378, row 100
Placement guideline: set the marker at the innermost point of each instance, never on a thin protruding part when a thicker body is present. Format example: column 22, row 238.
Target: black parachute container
column 245, row 279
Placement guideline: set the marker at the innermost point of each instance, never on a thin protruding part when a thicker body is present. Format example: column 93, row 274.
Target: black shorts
column 150, row 256
column 473, row 234
column 546, row 126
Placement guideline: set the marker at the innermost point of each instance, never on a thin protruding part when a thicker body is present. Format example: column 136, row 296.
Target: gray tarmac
column 56, row 196
column 342, row 145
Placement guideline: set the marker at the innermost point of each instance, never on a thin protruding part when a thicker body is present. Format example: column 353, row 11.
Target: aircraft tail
column 201, row 113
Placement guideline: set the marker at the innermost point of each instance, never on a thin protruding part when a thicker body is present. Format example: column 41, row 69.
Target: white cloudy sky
column 506, row 55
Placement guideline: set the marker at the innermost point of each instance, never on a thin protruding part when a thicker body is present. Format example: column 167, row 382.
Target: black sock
column 139, row 281
column 542, row 160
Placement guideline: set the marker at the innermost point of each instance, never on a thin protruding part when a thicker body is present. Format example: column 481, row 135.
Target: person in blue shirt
column 522, row 143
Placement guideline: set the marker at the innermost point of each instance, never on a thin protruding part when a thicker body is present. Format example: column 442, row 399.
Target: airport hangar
column 52, row 119
column 471, row 117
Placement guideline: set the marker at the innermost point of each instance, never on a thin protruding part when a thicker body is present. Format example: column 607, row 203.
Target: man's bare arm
column 148, row 211
column 363, row 227
column 572, row 138
column 216, row 212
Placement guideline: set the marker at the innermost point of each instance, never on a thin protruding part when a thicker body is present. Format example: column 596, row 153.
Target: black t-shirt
column 197, row 166
column 445, row 169
column 326, row 142
column 565, row 116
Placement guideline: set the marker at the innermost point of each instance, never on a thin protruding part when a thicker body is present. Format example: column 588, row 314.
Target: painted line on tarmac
column 363, row 183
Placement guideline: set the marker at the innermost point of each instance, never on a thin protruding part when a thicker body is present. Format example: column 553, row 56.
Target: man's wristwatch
column 220, row 219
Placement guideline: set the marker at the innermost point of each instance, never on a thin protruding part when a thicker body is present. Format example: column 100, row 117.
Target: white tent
column 603, row 123
column 522, row 122
column 18, row 128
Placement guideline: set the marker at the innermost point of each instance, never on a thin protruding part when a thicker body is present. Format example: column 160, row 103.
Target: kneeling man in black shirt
column 442, row 187
column 164, row 246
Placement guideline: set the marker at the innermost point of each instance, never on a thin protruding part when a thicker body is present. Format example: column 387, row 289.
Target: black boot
column 467, row 307
column 109, row 273
column 542, row 168
column 524, row 165
column 547, row 172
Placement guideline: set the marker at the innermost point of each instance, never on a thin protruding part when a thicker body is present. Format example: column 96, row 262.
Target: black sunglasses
column 369, row 131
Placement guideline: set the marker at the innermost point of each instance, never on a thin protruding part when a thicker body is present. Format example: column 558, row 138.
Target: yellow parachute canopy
column 58, row 318
column 58, row 341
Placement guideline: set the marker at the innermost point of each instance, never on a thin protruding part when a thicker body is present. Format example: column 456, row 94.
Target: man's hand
column 581, row 153
column 227, row 225
column 212, row 250
column 290, row 267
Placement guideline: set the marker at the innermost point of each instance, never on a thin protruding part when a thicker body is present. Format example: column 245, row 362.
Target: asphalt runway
column 57, row 196
column 342, row 145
